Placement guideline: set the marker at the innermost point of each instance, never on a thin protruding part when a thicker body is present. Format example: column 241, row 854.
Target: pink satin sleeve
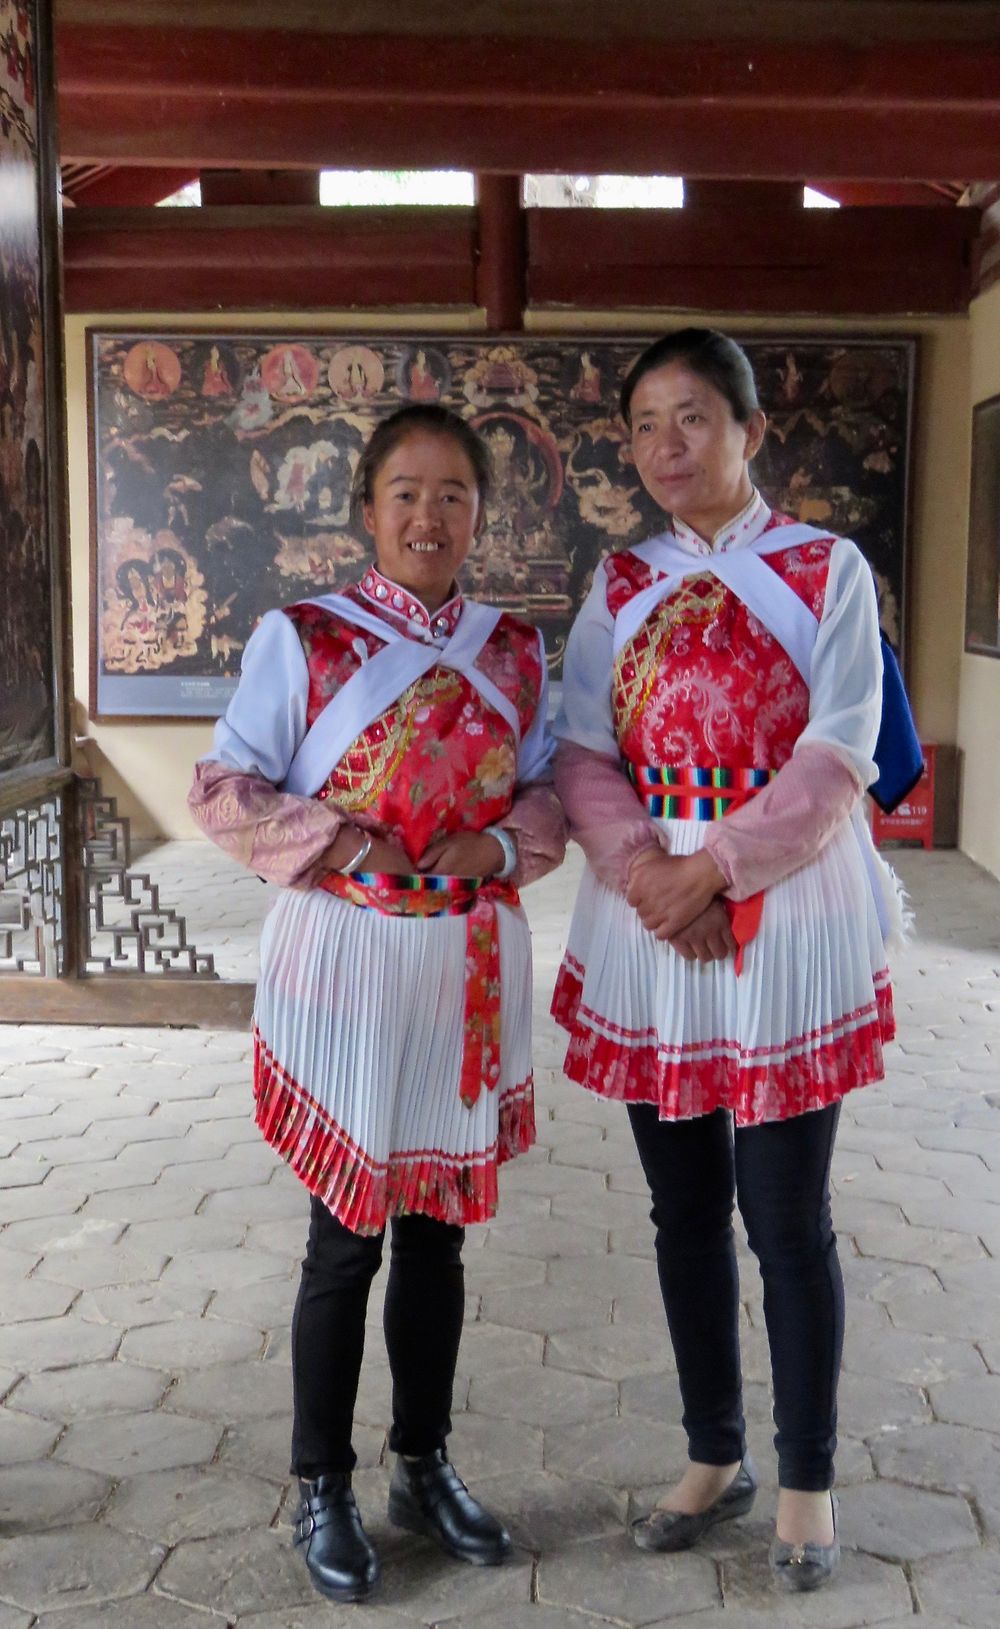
column 538, row 826
column 279, row 836
column 786, row 825
column 605, row 814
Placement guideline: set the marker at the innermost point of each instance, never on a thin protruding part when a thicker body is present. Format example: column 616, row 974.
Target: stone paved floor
column 148, row 1261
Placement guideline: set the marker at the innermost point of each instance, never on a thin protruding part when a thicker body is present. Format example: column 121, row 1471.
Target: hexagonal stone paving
column 905, row 1524
column 90, row 1388
column 542, row 1397
column 611, row 1578
column 75, row 1567
column 24, row 1438
column 139, row 1612
column 189, row 1343
column 48, row 1494
column 125, row 1444
column 169, row 1506
column 968, row 1584
column 240, row 1572
column 147, row 1296
column 324, row 1615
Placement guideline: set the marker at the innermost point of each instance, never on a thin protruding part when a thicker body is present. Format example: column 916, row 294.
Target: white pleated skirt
column 358, row 1030
column 805, row 1021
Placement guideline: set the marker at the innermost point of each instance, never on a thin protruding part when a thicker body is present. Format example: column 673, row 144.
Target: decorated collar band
column 387, row 596
column 736, row 533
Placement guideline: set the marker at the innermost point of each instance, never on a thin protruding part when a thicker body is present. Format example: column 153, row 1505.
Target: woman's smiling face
column 423, row 515
column 690, row 450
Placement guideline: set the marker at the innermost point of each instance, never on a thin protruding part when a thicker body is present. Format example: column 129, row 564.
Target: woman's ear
column 368, row 517
column 756, row 426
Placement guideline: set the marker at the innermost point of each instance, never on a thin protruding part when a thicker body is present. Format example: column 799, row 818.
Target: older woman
column 385, row 758
column 726, row 977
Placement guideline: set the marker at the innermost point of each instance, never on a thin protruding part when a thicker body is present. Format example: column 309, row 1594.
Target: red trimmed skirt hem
column 793, row 1077
column 362, row 1192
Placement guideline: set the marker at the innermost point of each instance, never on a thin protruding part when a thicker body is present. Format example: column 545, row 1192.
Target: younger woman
column 386, row 759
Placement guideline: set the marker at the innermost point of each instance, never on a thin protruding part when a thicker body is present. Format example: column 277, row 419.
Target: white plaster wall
column 979, row 707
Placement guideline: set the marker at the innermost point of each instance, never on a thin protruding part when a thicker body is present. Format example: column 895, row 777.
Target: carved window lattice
column 127, row 930
column 32, row 889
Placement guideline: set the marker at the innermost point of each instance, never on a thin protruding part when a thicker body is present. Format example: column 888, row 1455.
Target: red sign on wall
column 914, row 819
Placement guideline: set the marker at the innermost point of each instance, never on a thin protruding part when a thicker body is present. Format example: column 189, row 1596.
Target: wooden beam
column 924, row 194
column 222, row 98
column 283, row 258
column 880, row 261
column 826, row 20
column 124, row 998
column 500, row 264
column 831, row 262
column 257, row 188
column 128, row 186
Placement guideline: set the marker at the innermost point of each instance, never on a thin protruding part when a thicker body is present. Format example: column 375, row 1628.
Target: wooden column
column 501, row 254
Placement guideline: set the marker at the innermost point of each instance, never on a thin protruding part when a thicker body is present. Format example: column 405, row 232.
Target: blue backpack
column 898, row 758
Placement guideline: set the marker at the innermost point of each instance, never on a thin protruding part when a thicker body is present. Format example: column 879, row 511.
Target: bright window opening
column 186, row 198
column 812, row 199
column 369, row 187
column 604, row 191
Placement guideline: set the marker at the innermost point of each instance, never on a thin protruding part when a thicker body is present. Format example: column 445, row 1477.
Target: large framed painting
column 982, row 593
column 222, row 466
column 30, row 683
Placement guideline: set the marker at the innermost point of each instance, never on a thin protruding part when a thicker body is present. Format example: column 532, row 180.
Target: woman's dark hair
column 714, row 357
column 434, row 420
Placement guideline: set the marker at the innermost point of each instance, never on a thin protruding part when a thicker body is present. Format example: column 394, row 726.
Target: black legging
column 779, row 1172
column 424, row 1307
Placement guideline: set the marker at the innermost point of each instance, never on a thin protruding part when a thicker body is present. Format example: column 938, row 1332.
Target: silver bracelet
column 509, row 847
column 360, row 857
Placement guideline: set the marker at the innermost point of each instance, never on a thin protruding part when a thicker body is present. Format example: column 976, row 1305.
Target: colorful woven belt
column 475, row 898
column 693, row 792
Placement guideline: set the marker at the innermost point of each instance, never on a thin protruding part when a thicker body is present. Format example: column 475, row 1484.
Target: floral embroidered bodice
column 703, row 682
column 439, row 760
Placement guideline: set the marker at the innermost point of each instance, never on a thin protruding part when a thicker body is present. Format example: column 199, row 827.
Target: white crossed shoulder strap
column 383, row 678
column 773, row 603
column 762, row 591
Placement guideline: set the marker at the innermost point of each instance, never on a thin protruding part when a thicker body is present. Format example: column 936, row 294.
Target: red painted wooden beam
column 214, row 98
column 832, row 262
column 208, row 259
column 849, row 261
column 126, row 186
column 923, row 194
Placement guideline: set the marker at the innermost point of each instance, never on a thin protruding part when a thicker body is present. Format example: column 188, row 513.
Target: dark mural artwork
column 26, row 691
column 222, row 468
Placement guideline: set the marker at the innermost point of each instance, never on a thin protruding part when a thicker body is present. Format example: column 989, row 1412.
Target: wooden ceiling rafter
column 841, row 262
column 120, row 185
column 146, row 95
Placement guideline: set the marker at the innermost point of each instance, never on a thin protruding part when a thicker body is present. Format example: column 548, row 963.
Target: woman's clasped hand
column 675, row 895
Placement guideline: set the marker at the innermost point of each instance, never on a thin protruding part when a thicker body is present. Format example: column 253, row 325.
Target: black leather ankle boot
column 428, row 1496
column 340, row 1558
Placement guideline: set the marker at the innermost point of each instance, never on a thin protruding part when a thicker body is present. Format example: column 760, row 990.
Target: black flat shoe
column 801, row 1567
column 673, row 1530
column 339, row 1556
column 428, row 1496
